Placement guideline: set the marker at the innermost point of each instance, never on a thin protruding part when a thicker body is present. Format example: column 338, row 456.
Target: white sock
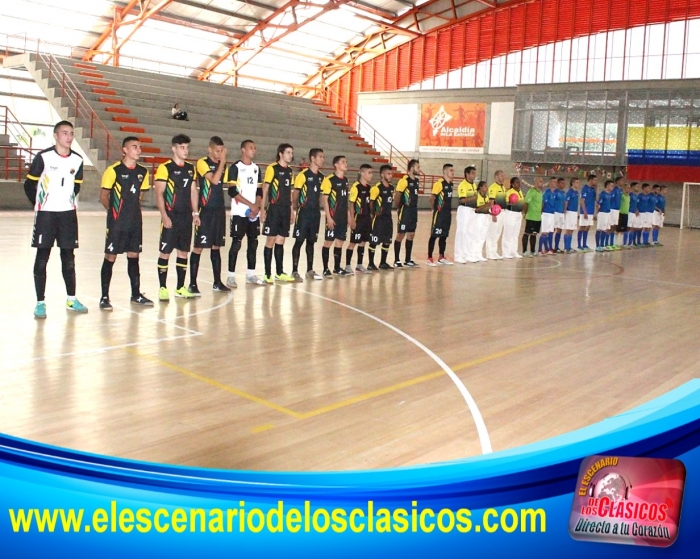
column 249, row 273
column 232, row 274
column 72, row 297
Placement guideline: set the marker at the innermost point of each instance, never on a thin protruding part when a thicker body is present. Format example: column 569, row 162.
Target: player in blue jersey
column 559, row 212
column 645, row 205
column 615, row 200
column 659, row 214
column 587, row 211
column 571, row 204
column 603, row 233
column 634, row 217
column 547, row 231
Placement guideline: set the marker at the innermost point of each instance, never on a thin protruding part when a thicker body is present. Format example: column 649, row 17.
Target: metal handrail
column 14, row 162
column 85, row 116
column 10, row 124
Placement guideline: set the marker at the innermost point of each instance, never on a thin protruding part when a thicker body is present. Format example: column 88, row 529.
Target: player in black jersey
column 335, row 204
column 359, row 219
column 123, row 185
column 212, row 173
column 441, row 201
column 381, row 197
column 307, row 209
column 406, row 202
column 177, row 200
column 276, row 214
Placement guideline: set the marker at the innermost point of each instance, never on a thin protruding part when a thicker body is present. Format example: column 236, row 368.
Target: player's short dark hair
column 592, row 176
column 313, row 152
column 561, row 179
column 244, row 143
column 619, row 178
column 481, row 183
column 645, row 184
column 656, row 186
column 607, row 182
column 62, row 123
column 337, row 159
column 513, row 180
column 181, row 139
column 365, row 166
column 129, row 139
column 634, row 183
column 282, row 148
column 447, row 166
column 385, row 168
column 468, row 169
column 572, row 180
column 215, row 141
column 412, row 163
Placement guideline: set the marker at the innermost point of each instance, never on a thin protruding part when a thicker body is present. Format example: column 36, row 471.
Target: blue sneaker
column 40, row 311
column 76, row 306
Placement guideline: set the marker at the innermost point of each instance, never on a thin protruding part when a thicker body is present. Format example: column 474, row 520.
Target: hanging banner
column 452, row 127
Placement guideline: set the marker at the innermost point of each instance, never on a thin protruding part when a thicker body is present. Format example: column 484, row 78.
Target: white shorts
column 633, row 221
column 585, row 221
column 646, row 220
column 603, row 221
column 559, row 221
column 571, row 221
column 547, row 223
column 657, row 219
column 614, row 217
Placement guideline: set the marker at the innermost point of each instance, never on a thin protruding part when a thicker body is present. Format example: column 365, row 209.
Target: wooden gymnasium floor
column 286, row 378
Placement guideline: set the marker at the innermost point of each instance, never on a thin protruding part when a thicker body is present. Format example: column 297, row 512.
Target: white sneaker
column 473, row 260
column 516, row 255
column 254, row 280
column 508, row 257
column 460, row 261
column 314, row 276
column 348, row 269
column 360, row 269
column 231, row 282
column 445, row 262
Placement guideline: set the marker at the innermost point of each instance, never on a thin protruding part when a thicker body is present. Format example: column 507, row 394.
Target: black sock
column 309, row 256
column 68, row 269
column 409, row 249
column 233, row 254
column 194, row 267
column 132, row 268
column 216, row 264
column 296, row 254
column 397, row 250
column 431, row 246
column 442, row 244
column 267, row 254
column 525, row 236
column 162, row 271
column 370, row 253
column 360, row 255
column 348, row 256
column 385, row 252
column 252, row 252
column 42, row 259
column 181, row 269
column 325, row 255
column 533, row 242
column 279, row 259
column 337, row 255
column 106, row 276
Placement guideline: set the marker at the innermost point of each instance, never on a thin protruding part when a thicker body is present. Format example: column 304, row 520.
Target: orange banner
column 452, row 127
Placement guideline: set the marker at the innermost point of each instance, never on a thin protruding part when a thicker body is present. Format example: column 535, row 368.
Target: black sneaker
column 219, row 286
column 384, row 266
column 141, row 300
column 327, row 274
column 398, row 264
column 194, row 290
column 105, row 305
column 372, row 268
column 343, row 273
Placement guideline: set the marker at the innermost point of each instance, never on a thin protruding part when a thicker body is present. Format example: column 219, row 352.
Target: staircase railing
column 12, row 127
column 84, row 115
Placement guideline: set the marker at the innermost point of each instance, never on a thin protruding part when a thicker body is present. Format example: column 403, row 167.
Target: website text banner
column 452, row 128
column 517, row 503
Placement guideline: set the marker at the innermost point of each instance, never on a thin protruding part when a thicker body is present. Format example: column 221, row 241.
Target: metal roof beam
column 220, row 11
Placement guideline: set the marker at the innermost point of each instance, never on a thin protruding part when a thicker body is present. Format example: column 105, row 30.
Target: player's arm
column 437, row 189
column 160, row 184
column 373, row 195
column 352, row 215
column 299, row 182
column 401, row 186
column 269, row 177
column 526, row 202
column 145, row 186
column 32, row 181
column 78, row 179
column 582, row 204
column 326, row 191
column 109, row 178
column 194, row 199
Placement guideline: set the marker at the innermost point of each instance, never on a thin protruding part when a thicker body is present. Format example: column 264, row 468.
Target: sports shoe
column 76, row 306
column 348, row 270
column 508, row 257
column 527, row 254
column 360, row 269
column 184, row 293
column 40, row 311
column 231, row 282
column 286, row 278
column 430, row 262
column 327, row 274
column 314, row 276
column 516, row 255
column 445, row 262
column 194, row 290
column 385, row 266
column 142, row 301
column 254, row 280
column 410, row 264
column 218, row 286
column 372, row 268
column 398, row 264
column 268, row 280
column 559, row 251
column 343, row 273
column 297, row 277
column 105, row 305
column 550, row 251
column 599, row 249
column 164, row 294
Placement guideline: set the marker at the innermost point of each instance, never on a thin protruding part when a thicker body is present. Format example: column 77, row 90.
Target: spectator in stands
column 179, row 114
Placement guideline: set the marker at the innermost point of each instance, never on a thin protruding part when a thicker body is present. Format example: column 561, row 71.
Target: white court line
column 471, row 403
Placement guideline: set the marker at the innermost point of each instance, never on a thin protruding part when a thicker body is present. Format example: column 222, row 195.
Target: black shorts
column 362, row 233
column 622, row 223
column 307, row 224
column 381, row 230
column 408, row 220
column 179, row 236
column 242, row 227
column 212, row 231
column 442, row 221
column 532, row 227
column 338, row 233
column 55, row 227
column 277, row 221
column 120, row 240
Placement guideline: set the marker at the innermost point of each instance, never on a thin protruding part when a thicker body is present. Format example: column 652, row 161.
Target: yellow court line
column 262, row 428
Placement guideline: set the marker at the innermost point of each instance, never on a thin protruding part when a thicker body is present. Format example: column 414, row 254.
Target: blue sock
column 608, row 239
column 551, row 241
column 567, row 241
column 638, row 237
column 625, row 238
column 579, row 238
column 541, row 243
column 597, row 238
column 655, row 235
column 585, row 238
column 646, row 237
column 557, row 238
